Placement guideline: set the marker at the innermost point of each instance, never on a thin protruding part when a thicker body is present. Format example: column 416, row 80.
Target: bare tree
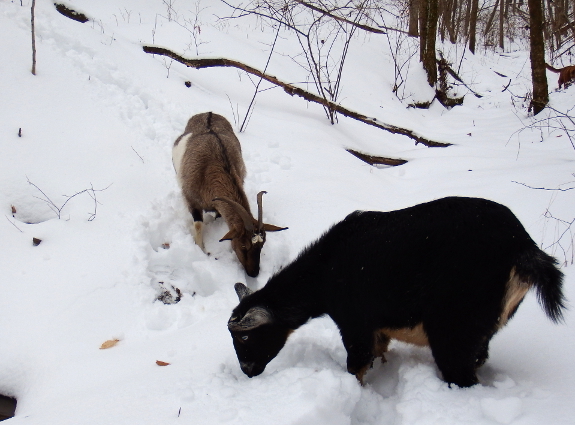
column 33, row 37
column 537, row 55
column 502, row 13
column 324, row 35
column 413, row 18
column 428, row 16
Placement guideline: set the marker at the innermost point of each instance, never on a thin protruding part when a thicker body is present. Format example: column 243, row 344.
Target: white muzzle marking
column 257, row 238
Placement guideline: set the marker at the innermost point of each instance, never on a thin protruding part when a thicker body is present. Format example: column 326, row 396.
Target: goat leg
column 198, row 217
column 359, row 353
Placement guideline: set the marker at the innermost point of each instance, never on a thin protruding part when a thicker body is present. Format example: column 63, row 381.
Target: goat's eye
column 244, row 337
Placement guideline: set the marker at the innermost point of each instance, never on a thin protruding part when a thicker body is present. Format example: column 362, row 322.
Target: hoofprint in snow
column 100, row 114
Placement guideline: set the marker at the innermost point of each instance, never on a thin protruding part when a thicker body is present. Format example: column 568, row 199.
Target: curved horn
column 260, row 210
column 256, row 316
column 245, row 216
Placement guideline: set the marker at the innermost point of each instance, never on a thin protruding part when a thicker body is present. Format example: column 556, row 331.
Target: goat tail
column 539, row 269
column 550, row 68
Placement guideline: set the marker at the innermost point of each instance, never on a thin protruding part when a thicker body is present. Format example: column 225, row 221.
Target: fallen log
column 293, row 90
column 377, row 160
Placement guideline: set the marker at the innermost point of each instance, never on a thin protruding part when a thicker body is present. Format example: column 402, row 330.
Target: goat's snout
column 251, row 369
column 253, row 268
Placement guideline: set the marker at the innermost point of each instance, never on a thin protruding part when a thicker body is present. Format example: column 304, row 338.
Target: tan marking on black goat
column 448, row 273
column 415, row 335
column 514, row 294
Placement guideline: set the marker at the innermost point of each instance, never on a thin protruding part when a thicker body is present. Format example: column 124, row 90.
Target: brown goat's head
column 248, row 241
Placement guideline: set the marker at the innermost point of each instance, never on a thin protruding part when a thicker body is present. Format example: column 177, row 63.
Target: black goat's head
column 248, row 242
column 257, row 337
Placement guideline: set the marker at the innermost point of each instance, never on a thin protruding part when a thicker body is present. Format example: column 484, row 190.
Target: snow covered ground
column 99, row 119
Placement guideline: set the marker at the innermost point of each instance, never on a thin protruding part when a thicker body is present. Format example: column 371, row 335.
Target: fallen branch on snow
column 293, row 90
column 377, row 160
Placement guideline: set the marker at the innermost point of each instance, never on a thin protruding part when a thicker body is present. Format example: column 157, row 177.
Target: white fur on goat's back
column 178, row 152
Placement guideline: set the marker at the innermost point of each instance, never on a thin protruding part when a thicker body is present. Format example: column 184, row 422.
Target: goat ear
column 272, row 228
column 255, row 317
column 242, row 290
column 229, row 236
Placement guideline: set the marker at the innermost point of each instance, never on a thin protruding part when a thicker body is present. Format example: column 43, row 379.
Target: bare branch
column 347, row 21
column 262, row 15
column 58, row 209
column 292, row 90
column 139, row 156
column 377, row 160
column 244, row 123
column 544, row 188
column 12, row 223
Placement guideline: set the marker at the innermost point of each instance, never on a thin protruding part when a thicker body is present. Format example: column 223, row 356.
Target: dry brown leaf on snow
column 161, row 363
column 109, row 344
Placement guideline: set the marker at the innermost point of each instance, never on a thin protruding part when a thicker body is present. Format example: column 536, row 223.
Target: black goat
column 447, row 273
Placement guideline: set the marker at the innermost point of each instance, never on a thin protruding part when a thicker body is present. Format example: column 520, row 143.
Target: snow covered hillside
column 98, row 121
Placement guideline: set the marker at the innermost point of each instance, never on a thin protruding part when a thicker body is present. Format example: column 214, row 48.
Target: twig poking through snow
column 58, row 209
column 137, row 154
column 13, row 224
column 543, row 188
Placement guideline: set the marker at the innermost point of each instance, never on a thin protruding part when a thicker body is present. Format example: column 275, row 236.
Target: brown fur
column 516, row 291
column 415, row 335
column 210, row 166
column 566, row 75
column 383, row 337
column 205, row 172
column 380, row 345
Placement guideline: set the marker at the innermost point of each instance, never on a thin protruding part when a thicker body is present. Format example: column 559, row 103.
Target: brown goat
column 211, row 171
column 566, row 75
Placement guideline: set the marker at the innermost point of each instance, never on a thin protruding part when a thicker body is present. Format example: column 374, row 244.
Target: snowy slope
column 101, row 114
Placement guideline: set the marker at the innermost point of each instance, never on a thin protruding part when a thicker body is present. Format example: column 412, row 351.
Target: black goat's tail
column 540, row 270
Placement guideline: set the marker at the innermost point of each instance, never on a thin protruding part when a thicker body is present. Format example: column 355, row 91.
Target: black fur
column 444, row 264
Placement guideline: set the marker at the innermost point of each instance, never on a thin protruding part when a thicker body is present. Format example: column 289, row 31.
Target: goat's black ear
column 272, row 228
column 242, row 290
column 255, row 317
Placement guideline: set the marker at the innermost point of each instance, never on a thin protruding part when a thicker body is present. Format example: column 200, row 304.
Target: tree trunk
column 454, row 24
column 473, row 25
column 423, row 12
column 442, row 27
column 413, row 18
column 537, row 55
column 33, row 37
column 428, row 16
column 501, row 21
column 490, row 20
column 463, row 22
column 549, row 29
column 447, row 23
